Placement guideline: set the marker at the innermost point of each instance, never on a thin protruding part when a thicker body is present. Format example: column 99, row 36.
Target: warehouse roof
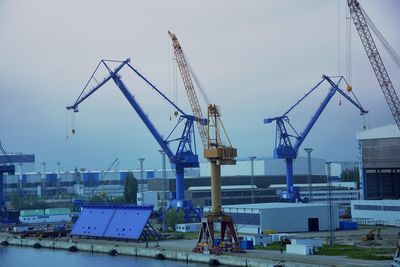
column 389, row 131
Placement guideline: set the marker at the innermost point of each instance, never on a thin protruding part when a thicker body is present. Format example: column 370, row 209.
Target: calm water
column 12, row 256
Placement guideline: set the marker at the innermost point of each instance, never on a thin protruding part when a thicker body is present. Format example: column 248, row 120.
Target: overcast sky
column 254, row 58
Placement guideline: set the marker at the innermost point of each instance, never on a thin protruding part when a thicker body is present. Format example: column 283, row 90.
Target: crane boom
column 375, row 59
column 189, row 87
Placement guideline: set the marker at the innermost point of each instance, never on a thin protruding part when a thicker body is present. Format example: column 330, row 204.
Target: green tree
column 130, row 189
column 98, row 199
column 171, row 217
column 15, row 200
column 118, row 200
column 351, row 175
column 180, row 217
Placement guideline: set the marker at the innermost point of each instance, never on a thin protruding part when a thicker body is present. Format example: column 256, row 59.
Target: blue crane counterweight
column 185, row 155
column 287, row 145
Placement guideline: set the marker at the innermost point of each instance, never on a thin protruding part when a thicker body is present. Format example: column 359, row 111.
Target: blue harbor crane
column 185, row 155
column 287, row 143
column 6, row 166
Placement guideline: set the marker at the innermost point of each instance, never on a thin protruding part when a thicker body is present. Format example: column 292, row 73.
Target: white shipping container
column 187, row 227
column 45, row 218
column 20, row 229
column 299, row 249
column 309, row 242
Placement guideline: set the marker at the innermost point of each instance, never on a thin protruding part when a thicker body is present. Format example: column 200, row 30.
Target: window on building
column 367, row 207
column 391, row 208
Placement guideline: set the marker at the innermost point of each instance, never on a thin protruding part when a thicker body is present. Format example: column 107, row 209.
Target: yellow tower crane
column 217, row 153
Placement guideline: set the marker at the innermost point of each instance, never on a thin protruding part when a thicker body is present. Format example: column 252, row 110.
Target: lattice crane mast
column 216, row 152
column 189, row 87
column 361, row 22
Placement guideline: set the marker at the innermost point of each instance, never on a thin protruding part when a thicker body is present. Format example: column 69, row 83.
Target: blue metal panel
column 24, row 179
column 51, row 178
column 91, row 179
column 150, row 174
column 348, row 225
column 93, row 222
column 1, row 191
column 116, row 221
column 122, row 176
column 128, row 223
column 18, row 158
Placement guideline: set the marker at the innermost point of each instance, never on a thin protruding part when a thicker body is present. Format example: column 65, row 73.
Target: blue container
column 246, row 244
column 348, row 225
column 216, row 242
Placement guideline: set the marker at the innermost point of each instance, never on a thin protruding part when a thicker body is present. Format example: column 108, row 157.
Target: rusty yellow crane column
column 218, row 154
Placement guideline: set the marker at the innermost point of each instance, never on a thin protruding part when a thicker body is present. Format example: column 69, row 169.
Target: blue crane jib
column 288, row 140
column 185, row 155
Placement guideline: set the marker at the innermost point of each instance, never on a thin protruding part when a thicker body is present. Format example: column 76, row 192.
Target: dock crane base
column 206, row 242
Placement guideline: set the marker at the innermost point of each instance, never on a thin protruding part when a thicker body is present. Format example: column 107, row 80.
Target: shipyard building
column 379, row 177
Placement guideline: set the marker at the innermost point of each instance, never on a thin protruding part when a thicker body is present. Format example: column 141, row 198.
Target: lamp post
column 252, row 178
column 164, row 189
column 43, row 177
column 58, row 175
column 331, row 230
column 141, row 178
column 309, row 150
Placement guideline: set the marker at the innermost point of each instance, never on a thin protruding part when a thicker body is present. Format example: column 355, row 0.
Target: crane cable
column 169, row 78
column 392, row 53
column 349, row 67
column 204, row 94
column 339, row 38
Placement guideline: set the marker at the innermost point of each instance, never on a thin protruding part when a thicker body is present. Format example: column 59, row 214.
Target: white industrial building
column 267, row 166
column 341, row 193
column 283, row 217
column 385, row 212
column 380, row 163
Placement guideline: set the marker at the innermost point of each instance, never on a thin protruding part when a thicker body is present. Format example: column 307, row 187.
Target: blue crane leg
column 289, row 177
column 1, row 190
column 180, row 190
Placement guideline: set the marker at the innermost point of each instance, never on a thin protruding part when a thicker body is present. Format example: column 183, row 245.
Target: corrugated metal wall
column 381, row 153
column 381, row 168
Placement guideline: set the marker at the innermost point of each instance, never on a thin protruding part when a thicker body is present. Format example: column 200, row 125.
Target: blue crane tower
column 184, row 156
column 287, row 144
column 6, row 166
